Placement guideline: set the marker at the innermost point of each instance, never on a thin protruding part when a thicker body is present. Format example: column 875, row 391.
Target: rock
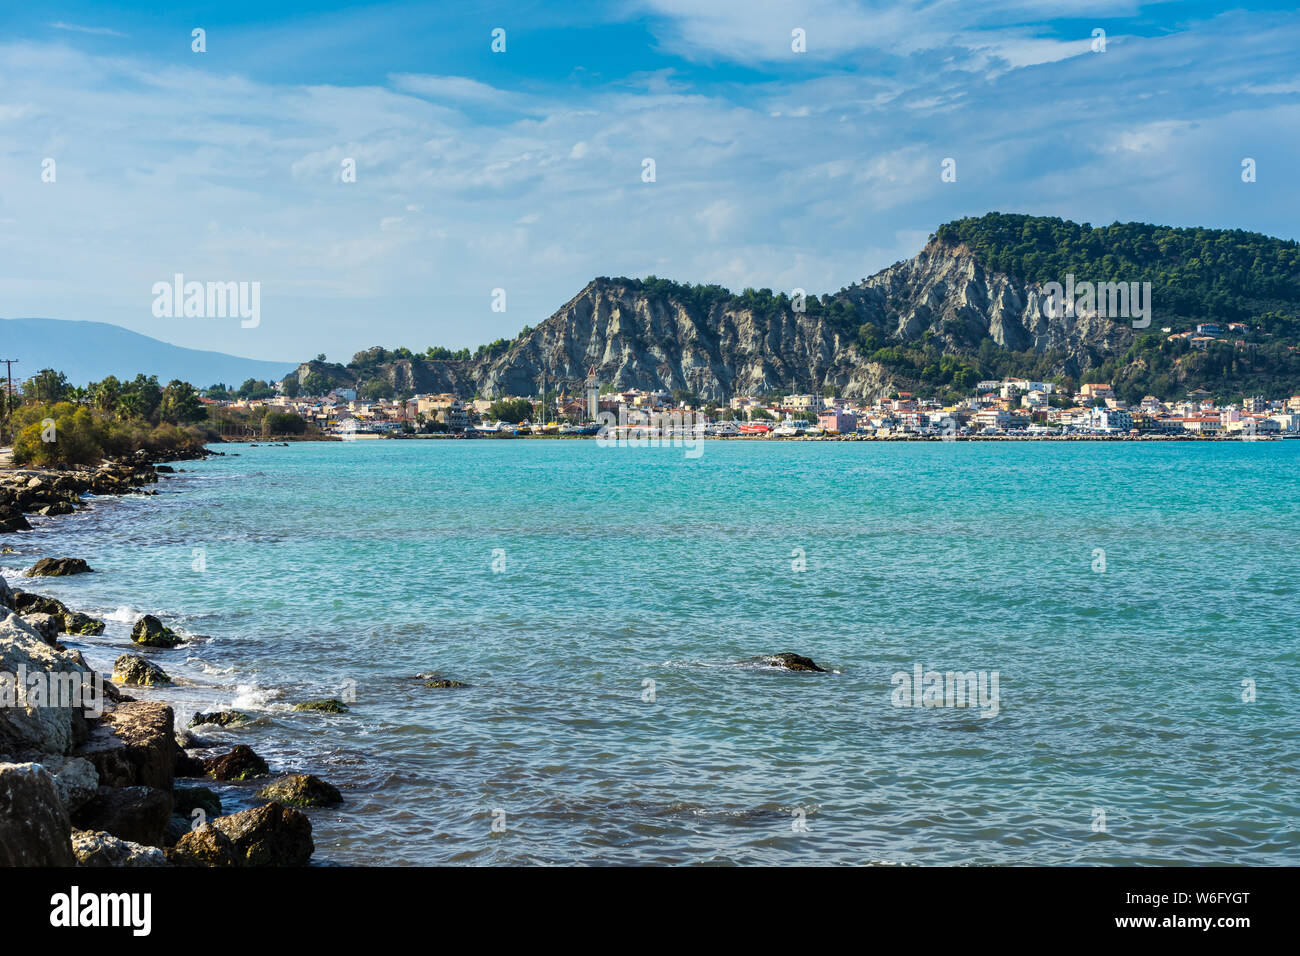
column 96, row 848
column 25, row 602
column 74, row 622
column 187, row 799
column 150, row 632
column 329, row 706
column 114, row 695
column 435, row 679
column 794, row 662
column 220, row 718
column 301, row 790
column 34, row 826
column 203, row 846
column 58, row 567
column 138, row 814
column 46, row 625
column 11, row 519
column 135, row 744
column 177, row 827
column 240, row 764
column 188, row 765
column 186, row 740
column 134, row 670
column 272, row 835
column 75, row 780
column 45, row 729
column 6, row 595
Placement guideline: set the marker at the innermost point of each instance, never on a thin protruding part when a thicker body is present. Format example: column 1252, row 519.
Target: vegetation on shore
column 59, row 424
column 56, row 424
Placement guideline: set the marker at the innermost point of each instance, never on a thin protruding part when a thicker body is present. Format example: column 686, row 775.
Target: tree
column 282, row 423
column 47, row 387
column 104, row 395
column 376, row 389
column 255, row 390
column 315, row 384
column 515, row 410
column 180, row 404
column 140, row 398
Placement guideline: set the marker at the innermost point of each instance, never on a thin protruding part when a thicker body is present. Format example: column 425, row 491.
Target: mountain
column 89, row 351
column 969, row 306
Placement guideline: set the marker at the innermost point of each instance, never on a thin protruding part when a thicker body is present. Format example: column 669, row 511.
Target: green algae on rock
column 151, row 632
column 134, row 670
column 330, row 705
column 301, row 790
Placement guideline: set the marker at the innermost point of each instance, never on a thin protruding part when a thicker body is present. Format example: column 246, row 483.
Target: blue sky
column 522, row 170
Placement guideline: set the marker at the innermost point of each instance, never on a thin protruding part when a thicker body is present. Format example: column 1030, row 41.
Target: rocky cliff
column 651, row 334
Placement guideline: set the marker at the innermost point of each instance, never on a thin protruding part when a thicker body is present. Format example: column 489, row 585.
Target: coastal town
column 1011, row 408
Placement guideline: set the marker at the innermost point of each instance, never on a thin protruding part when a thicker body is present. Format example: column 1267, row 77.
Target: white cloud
column 75, row 28
column 811, row 180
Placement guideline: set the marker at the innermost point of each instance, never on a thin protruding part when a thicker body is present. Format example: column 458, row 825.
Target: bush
column 282, row 423
column 85, row 437
column 61, row 434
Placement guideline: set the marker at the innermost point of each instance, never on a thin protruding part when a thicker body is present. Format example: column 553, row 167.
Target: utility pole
column 9, row 385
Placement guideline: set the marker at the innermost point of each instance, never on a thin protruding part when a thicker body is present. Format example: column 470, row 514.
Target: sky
column 525, row 170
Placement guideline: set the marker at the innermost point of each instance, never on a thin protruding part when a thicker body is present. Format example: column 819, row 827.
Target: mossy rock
column 219, row 718
column 151, row 632
column 74, row 622
column 301, row 790
column 25, row 602
column 240, row 764
column 330, row 705
column 437, row 681
column 133, row 670
column 58, row 567
column 795, row 662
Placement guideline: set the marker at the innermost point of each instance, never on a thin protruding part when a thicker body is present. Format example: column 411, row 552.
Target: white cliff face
column 946, row 290
column 633, row 340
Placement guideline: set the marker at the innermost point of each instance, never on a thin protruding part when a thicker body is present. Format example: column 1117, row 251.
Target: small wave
column 253, row 697
column 124, row 614
column 211, row 670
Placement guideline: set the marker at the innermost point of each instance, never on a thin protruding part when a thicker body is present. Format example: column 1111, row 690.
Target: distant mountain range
column 972, row 305
column 90, row 351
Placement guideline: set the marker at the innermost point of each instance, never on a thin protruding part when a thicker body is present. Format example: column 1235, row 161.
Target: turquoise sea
column 557, row 578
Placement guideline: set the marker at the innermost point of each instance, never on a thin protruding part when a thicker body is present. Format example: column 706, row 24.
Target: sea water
column 610, row 609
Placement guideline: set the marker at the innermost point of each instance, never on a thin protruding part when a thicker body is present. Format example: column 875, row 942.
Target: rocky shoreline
column 90, row 776
column 120, row 784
